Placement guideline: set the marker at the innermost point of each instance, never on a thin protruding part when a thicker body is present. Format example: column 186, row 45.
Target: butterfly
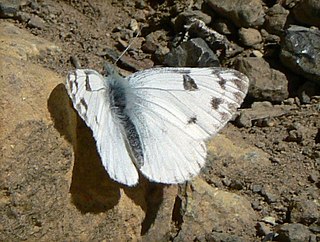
column 155, row 121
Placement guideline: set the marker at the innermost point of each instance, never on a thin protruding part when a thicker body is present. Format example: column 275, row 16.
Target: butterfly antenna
column 129, row 45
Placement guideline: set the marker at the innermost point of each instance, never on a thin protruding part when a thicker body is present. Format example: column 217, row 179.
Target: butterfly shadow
column 92, row 190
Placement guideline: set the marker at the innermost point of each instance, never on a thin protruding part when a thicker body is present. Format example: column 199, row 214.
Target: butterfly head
column 109, row 70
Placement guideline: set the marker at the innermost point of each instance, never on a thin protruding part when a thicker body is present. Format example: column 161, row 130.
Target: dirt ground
column 90, row 31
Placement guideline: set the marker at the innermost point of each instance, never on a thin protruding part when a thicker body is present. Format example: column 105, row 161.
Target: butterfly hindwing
column 174, row 110
column 90, row 94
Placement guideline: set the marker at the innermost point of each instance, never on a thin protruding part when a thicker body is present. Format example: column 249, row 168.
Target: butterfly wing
column 90, row 93
column 174, row 110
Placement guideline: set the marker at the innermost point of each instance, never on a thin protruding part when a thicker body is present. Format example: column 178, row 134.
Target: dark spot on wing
column 238, row 96
column 75, row 81
column 88, row 88
column 222, row 82
column 215, row 102
column 84, row 103
column 189, row 83
column 192, row 120
column 239, row 84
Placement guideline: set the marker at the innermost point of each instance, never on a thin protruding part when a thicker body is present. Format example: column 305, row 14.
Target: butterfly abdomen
column 118, row 101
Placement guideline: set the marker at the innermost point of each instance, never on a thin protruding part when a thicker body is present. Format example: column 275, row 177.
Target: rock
column 245, row 13
column 210, row 209
column 268, row 195
column 265, row 83
column 23, row 16
column 220, row 237
column 36, row 22
column 249, row 37
column 159, row 219
column 194, row 52
column 217, row 42
column 269, row 220
column 223, row 26
column 149, row 47
column 183, row 18
column 156, row 42
column 259, row 114
column 294, row 136
column 307, row 91
column 307, row 12
column 256, row 188
column 304, row 211
column 293, row 232
column 300, row 52
column 276, row 18
column 296, row 133
column 263, row 229
column 9, row 8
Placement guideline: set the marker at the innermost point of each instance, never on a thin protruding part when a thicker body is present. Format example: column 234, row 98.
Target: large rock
column 208, row 209
column 194, row 52
column 243, row 13
column 308, row 12
column 300, row 52
column 265, row 83
column 276, row 18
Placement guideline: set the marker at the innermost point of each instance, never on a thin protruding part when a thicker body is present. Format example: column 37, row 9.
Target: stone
column 9, row 8
column 220, row 237
column 293, row 232
column 36, row 22
column 183, row 18
column 307, row 91
column 209, row 208
column 276, row 18
column 224, row 26
column 245, row 13
column 304, row 211
column 265, row 83
column 194, row 52
column 300, row 52
column 249, row 36
column 307, row 12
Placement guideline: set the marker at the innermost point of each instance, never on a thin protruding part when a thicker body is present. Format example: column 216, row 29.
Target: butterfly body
column 157, row 120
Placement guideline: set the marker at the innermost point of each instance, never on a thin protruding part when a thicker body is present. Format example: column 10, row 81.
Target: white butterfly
column 157, row 120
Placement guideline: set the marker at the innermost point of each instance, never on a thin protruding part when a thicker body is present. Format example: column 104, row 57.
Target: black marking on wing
column 83, row 103
column 215, row 102
column 88, row 88
column 222, row 82
column 75, row 81
column 192, row 120
column 189, row 83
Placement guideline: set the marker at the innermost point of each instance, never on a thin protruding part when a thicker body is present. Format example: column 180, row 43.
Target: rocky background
column 261, row 181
